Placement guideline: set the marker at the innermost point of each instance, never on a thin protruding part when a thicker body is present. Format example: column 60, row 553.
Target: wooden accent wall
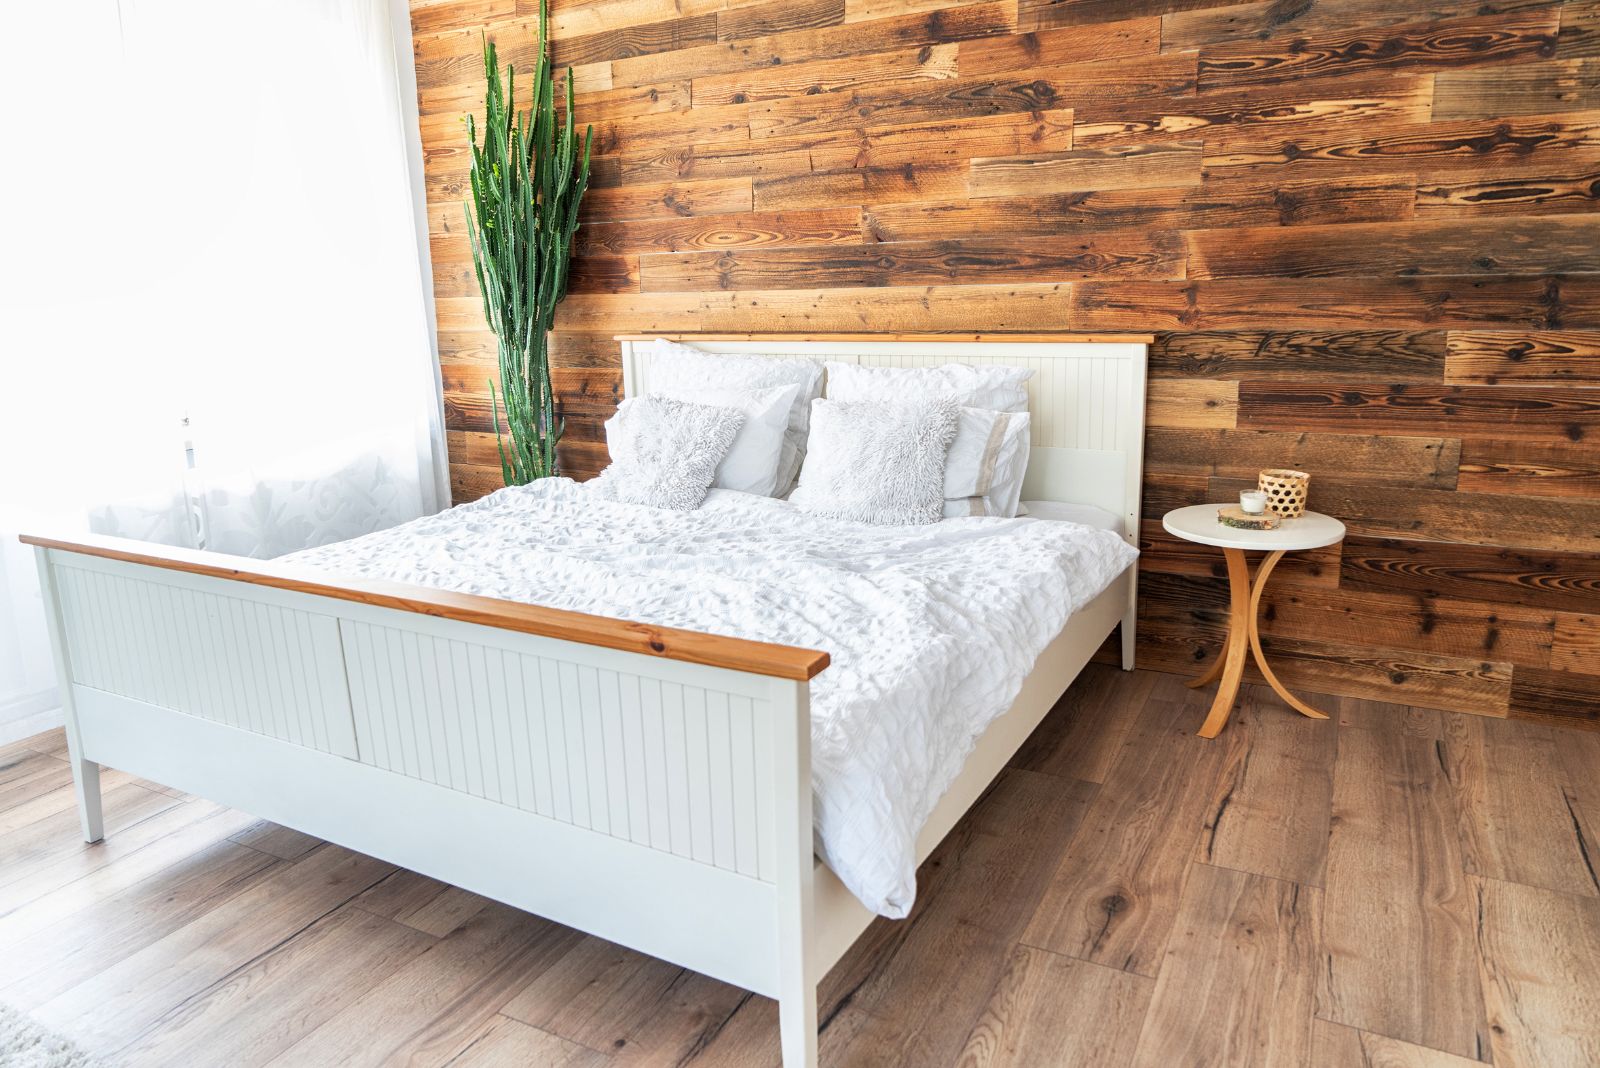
column 1366, row 234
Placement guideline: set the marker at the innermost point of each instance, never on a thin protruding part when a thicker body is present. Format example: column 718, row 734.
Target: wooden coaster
column 1234, row 516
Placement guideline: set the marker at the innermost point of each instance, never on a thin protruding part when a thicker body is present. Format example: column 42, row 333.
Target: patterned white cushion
column 681, row 370
column 999, row 389
column 876, row 461
column 665, row 452
column 751, row 465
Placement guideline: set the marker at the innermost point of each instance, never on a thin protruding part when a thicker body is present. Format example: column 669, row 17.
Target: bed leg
column 1130, row 621
column 85, row 773
column 797, row 967
column 797, row 1026
column 86, row 782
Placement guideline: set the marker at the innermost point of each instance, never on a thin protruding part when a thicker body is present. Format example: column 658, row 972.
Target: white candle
column 1253, row 501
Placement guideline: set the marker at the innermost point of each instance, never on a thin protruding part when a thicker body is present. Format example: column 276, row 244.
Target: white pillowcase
column 684, row 371
column 999, row 389
column 877, row 462
column 751, row 465
column 987, row 460
column 665, row 452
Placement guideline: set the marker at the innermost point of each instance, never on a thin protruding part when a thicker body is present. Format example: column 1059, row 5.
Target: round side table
column 1198, row 523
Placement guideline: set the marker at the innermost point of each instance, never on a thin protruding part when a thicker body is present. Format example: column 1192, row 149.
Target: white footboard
column 648, row 792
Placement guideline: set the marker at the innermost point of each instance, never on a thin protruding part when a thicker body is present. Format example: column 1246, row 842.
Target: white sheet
column 931, row 629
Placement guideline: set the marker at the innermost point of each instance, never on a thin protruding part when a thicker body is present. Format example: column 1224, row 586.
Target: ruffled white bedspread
column 931, row 629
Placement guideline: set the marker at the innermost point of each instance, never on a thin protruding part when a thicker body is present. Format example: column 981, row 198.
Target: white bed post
column 791, row 785
column 1133, row 467
column 85, row 773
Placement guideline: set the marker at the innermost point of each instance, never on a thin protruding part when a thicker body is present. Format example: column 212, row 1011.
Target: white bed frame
column 649, row 786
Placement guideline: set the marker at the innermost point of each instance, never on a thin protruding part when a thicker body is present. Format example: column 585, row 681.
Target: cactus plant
column 528, row 177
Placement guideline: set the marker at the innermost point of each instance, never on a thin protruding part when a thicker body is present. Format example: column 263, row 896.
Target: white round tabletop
column 1198, row 523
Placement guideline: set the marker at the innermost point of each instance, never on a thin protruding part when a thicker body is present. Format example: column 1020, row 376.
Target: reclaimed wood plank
column 764, row 20
column 1399, row 459
column 1487, row 302
column 1191, row 403
column 1536, row 579
column 829, row 226
column 1509, row 412
column 1237, row 983
column 1550, row 188
column 1114, row 898
column 668, row 199
column 1423, row 46
column 887, row 69
column 1562, row 698
column 966, row 97
column 1335, row 1046
column 961, row 23
column 1409, row 973
column 1553, row 357
column 1505, row 246
column 1222, row 117
column 1079, row 44
column 1544, row 88
column 914, row 263
column 1514, row 821
column 1358, row 355
column 1135, row 166
column 1050, row 1009
column 1539, row 955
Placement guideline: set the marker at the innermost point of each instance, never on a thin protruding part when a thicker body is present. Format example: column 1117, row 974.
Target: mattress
column 931, row 629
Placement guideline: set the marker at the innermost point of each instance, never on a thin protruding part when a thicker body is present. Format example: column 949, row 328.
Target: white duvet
column 931, row 629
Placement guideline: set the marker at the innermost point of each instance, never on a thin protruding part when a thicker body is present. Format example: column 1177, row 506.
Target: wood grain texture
column 1408, row 973
column 170, row 944
column 1364, row 234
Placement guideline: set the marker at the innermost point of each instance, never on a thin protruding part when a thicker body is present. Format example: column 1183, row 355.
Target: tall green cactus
column 527, row 179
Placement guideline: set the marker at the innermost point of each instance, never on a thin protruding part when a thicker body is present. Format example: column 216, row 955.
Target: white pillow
column 876, row 461
column 984, row 468
column 683, row 371
column 751, row 465
column 999, row 389
column 665, row 452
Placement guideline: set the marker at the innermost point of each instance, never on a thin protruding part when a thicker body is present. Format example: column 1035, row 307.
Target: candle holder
column 1286, row 491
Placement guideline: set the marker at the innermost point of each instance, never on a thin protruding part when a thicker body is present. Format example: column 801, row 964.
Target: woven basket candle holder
column 1285, row 490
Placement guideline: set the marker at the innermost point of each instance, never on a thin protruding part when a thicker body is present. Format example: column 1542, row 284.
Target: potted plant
column 528, row 177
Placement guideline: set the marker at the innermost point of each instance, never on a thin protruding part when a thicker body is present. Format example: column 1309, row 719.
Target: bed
column 606, row 772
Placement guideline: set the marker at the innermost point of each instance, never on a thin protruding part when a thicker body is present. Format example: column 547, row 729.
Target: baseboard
column 30, row 714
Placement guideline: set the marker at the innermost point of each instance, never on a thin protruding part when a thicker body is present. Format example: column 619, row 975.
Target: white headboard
column 1086, row 397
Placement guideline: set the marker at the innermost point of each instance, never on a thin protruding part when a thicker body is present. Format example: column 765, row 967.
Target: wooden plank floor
column 1393, row 886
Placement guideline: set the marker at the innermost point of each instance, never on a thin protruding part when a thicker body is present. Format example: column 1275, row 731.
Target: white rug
column 25, row 1044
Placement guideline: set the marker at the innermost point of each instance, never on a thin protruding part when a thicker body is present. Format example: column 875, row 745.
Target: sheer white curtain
column 215, row 316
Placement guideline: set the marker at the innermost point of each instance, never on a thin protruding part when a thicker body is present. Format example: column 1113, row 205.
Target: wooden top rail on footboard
column 736, row 654
column 923, row 338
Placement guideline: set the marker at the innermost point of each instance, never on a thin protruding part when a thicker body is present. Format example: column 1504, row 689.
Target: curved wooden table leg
column 1262, row 574
column 1232, row 659
column 1214, row 670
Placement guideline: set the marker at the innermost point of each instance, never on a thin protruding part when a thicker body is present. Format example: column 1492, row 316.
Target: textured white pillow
column 876, row 461
column 751, row 465
column 999, row 389
column 665, row 452
column 984, row 468
column 681, row 370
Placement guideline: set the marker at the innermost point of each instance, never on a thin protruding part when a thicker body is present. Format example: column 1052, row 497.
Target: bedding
column 984, row 468
column 666, row 452
column 751, row 465
column 931, row 629
column 992, row 386
column 682, row 370
column 877, row 462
